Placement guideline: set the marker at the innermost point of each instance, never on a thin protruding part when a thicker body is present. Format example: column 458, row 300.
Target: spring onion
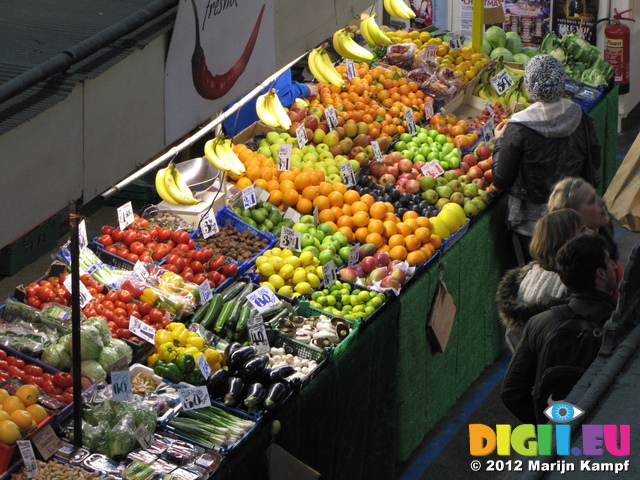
column 90, row 263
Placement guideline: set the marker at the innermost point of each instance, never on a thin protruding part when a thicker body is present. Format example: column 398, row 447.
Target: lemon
column 306, row 258
column 438, row 227
column 276, row 281
column 319, row 272
column 286, row 290
column 286, row 271
column 9, row 432
column 268, row 253
column 313, row 280
column 310, row 269
column 293, row 260
column 299, row 277
column 268, row 285
column 458, row 210
column 285, row 253
column 450, row 219
column 303, row 288
column 276, row 251
column 260, row 260
column 276, row 262
column 266, row 269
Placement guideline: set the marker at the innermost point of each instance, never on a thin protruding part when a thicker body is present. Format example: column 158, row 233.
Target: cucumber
column 239, row 302
column 225, row 313
column 232, row 290
column 245, row 314
column 213, row 310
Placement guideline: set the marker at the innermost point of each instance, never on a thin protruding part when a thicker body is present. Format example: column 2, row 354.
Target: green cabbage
column 56, row 356
column 506, row 55
column 521, row 58
column 108, row 355
column 123, row 349
column 67, row 343
column 93, row 370
column 101, row 324
column 513, row 43
column 495, row 36
column 530, row 51
column 91, row 342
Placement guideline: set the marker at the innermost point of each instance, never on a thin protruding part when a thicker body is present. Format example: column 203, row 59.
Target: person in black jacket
column 551, row 139
column 587, row 270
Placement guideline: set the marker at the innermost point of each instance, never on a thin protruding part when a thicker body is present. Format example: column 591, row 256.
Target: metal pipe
column 174, row 151
column 60, row 62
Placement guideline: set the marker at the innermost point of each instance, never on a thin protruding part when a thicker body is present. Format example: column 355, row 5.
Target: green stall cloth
column 605, row 120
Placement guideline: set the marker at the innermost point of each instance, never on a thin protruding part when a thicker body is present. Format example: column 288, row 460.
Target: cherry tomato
column 34, row 370
column 16, row 362
column 155, row 315
column 67, row 397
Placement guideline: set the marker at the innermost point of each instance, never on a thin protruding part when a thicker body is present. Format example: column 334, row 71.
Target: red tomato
column 157, row 325
column 3, row 354
column 207, row 254
column 160, row 253
column 120, row 312
column 4, row 374
column 187, row 276
column 4, row 364
column 107, row 230
column 44, row 294
column 172, row 258
column 112, row 326
column 47, row 376
column 164, row 234
column 67, row 397
column 15, row 371
column 216, row 262
column 108, row 303
column 119, row 304
column 172, row 268
column 144, row 308
column 197, row 266
column 230, row 269
column 132, row 257
column 155, row 315
column 105, row 240
column 45, row 283
column 34, row 302
column 111, row 249
column 129, row 237
column 34, row 370
column 135, row 314
column 199, row 278
column 137, row 247
column 153, row 232
column 63, row 380
column 132, row 307
column 182, row 247
column 123, row 333
column 144, row 237
column 111, row 296
column 165, row 321
column 187, row 270
column 108, row 315
column 143, row 222
column 145, row 257
column 37, row 381
column 16, row 362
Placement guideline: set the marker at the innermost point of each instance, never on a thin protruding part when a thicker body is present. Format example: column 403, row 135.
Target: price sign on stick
column 428, row 109
column 351, row 69
column 487, row 105
column 83, row 241
column 430, row 52
column 377, row 154
column 205, row 292
column 47, row 442
column 329, row 273
column 29, row 458
column 290, row 239
column 262, row 195
column 432, row 168
column 411, row 121
column 204, row 367
column 121, row 386
column 143, row 435
column 292, row 214
column 301, row 135
column 263, row 299
column 141, row 329
column 284, row 156
column 502, row 82
column 125, row 215
column 353, row 254
column 249, row 196
column 258, row 334
column 194, row 397
column 208, row 224
column 140, row 271
column 454, row 41
column 85, row 295
column 488, row 131
column 348, row 177
column 332, row 118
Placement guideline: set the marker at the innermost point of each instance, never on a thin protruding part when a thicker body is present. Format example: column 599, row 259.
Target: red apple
column 459, row 171
column 481, row 183
column 388, row 160
column 377, row 169
column 483, row 152
column 311, row 122
column 484, row 165
column 386, row 179
column 464, row 166
column 488, row 176
column 475, row 172
column 393, row 170
column 402, row 182
column 470, row 159
column 418, row 165
column 395, row 156
column 362, row 158
column 413, row 186
column 405, row 165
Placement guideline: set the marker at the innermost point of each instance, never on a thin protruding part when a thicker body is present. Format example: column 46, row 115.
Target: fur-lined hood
column 514, row 313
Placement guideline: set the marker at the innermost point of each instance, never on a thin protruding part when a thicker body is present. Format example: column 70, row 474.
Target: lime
column 355, row 300
column 368, row 310
column 347, row 308
column 316, row 295
column 358, row 308
column 345, row 299
column 364, row 296
column 323, row 300
column 267, row 225
column 331, row 300
column 375, row 302
column 276, row 281
column 286, row 271
column 259, row 215
column 266, row 269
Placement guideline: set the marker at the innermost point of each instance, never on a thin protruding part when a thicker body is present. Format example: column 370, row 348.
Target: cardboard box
column 494, row 16
column 248, row 133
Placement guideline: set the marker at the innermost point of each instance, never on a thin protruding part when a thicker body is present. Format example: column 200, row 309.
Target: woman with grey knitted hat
column 551, row 139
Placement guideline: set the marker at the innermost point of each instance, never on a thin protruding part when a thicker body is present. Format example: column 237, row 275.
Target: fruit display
column 220, row 154
column 372, row 34
column 264, row 217
column 321, row 67
column 288, row 273
column 323, row 240
column 172, row 188
column 347, row 301
column 200, row 265
column 497, row 111
column 497, row 43
column 271, row 112
column 20, row 413
column 397, row 8
column 516, row 93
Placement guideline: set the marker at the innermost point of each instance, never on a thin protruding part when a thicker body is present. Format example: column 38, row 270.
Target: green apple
column 322, row 147
column 325, row 155
column 341, row 237
column 333, row 170
column 344, row 253
column 307, row 219
column 266, row 151
column 272, row 137
column 355, row 165
column 325, row 256
column 310, row 157
column 307, row 240
column 326, row 229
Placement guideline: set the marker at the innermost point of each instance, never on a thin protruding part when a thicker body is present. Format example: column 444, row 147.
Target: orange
column 346, row 221
column 428, row 250
column 435, row 240
column 37, row 412
column 375, row 226
column 390, row 207
column 360, row 219
column 412, row 242
column 378, row 210
column 417, row 256
column 5, row 416
column 392, row 217
column 336, row 199
column 22, row 419
column 339, row 187
column 396, row 240
column 348, row 233
column 262, row 183
column 423, row 234
column 272, row 185
column 317, row 176
column 290, row 197
column 403, row 229
column 398, row 253
column 368, row 199
column 302, row 180
column 376, row 239
column 253, row 172
column 28, row 394
column 361, row 234
column 304, row 205
column 411, row 222
column 11, row 404
column 384, row 248
column 359, row 207
column 286, row 185
column 325, row 188
column 337, row 212
column 351, row 196
column 3, row 395
column 9, row 432
column 275, row 197
column 326, row 216
column 287, row 175
column 243, row 183
column 423, row 222
column 267, row 173
column 321, row 202
column 346, row 209
column 310, row 192
column 390, row 228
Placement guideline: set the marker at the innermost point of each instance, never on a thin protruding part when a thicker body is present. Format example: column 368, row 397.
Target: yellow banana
column 353, row 50
column 182, row 185
column 221, row 152
column 365, row 31
column 398, row 8
column 329, row 71
column 264, row 112
column 337, row 44
column 390, row 7
column 233, row 158
column 210, row 153
column 174, row 191
column 314, row 66
column 378, row 35
column 278, row 111
column 162, row 189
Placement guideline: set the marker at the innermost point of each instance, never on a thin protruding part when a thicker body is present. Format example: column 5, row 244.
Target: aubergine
column 280, row 373
column 235, row 391
column 239, row 357
column 276, row 395
column 232, row 347
column 256, row 394
column 217, row 382
column 252, row 370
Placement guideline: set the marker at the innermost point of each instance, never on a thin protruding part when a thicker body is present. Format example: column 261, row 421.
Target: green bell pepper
column 195, row 378
column 186, row 362
column 159, row 366
column 173, row 373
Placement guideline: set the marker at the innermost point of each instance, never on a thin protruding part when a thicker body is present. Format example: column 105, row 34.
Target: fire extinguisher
column 616, row 49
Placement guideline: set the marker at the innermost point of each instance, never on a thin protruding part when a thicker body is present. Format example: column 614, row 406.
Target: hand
column 313, row 88
column 499, row 130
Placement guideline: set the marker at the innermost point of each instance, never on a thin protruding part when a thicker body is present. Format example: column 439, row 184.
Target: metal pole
column 75, row 322
column 174, row 151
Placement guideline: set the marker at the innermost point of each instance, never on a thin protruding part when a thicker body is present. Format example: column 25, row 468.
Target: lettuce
column 91, row 342
column 56, row 356
column 93, row 370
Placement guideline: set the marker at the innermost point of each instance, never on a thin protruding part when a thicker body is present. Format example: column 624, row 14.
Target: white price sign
column 125, row 215
column 348, row 177
column 141, row 329
column 329, row 273
column 290, row 239
column 121, row 386
column 47, row 442
column 301, row 135
column 85, row 296
column 454, row 41
column 432, row 168
column 204, row 367
column 194, row 397
column 208, row 224
column 263, row 299
column 83, row 241
column 205, row 292
column 29, row 458
column 502, row 82
column 377, row 153
column 258, row 334
column 143, row 435
column 430, row 52
column 331, row 117
column 284, row 156
column 354, row 255
column 411, row 121
column 262, row 195
column 488, row 131
column 249, row 197
column 140, row 271
column 428, row 109
column 351, row 69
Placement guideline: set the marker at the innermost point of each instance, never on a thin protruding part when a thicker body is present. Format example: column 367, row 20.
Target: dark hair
column 579, row 259
column 551, row 232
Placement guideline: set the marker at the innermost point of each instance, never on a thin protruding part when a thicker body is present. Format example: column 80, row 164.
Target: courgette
column 231, row 291
column 245, row 314
column 225, row 313
column 239, row 302
column 212, row 311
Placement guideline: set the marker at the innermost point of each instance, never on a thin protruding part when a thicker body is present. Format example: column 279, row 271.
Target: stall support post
column 477, row 24
column 74, row 219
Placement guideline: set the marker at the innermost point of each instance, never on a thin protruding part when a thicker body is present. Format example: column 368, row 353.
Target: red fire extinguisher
column 616, row 49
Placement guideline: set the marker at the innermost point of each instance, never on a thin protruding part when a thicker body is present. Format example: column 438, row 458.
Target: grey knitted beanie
column 544, row 78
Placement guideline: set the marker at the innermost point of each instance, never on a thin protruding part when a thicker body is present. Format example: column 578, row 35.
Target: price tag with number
column 432, row 168
column 125, row 216
column 47, row 442
column 194, row 397
column 143, row 435
column 329, row 273
column 488, row 131
column 140, row 271
column 428, row 109
column 430, row 52
column 208, row 224
column 411, row 121
column 204, row 367
column 348, row 177
column 204, row 289
column 331, row 117
column 354, row 255
column 377, row 153
column 141, row 329
column 351, row 69
column 292, row 214
column 284, row 157
column 85, row 295
column 502, row 82
column 290, row 239
column 249, row 197
column 263, row 299
column 301, row 135
column 454, row 41
column 121, row 386
column 261, row 194
column 29, row 458
column 258, row 334
column 83, row 241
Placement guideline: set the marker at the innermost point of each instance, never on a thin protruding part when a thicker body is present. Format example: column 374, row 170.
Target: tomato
column 108, row 303
column 135, row 314
column 131, row 307
column 67, row 397
column 54, row 281
column 106, row 230
column 44, row 294
column 111, row 249
column 199, row 278
column 120, row 312
column 172, row 258
column 160, row 253
column 137, row 247
column 182, row 247
column 181, row 263
column 89, row 312
column 187, row 276
column 63, row 380
column 47, row 376
column 164, row 234
column 230, row 269
column 111, row 296
column 216, row 262
column 37, row 381
column 157, row 325
column 197, row 266
column 144, row 308
column 3, row 354
column 171, row 268
column 207, row 253
column 153, row 232
column 145, row 257
column 5, row 375
column 129, row 237
column 44, row 283
column 4, row 364
column 165, row 322
column 218, row 278
column 187, row 270
column 112, row 326
column 15, row 371
column 119, row 304
column 105, row 240
column 16, row 362
column 155, row 315
column 34, row 302
column 144, row 237
column 132, row 257
column 181, row 236
column 34, row 370
column 99, row 288
column 123, row 333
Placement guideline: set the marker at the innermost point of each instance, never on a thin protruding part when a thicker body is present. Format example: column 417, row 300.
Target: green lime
column 331, row 300
column 375, row 302
column 355, row 300
column 358, row 308
column 364, row 296
column 323, row 300
column 368, row 310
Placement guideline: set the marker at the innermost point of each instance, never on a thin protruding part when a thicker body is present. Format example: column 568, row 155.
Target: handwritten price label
column 208, row 224
column 194, row 398
column 454, row 41
column 351, row 69
column 140, row 271
column 353, row 254
column 488, row 131
column 331, row 117
column 329, row 273
column 502, row 82
column 430, row 52
column 125, row 215
column 204, row 367
column 83, row 241
column 143, row 435
column 411, row 121
column 85, row 295
column 301, row 135
column 205, row 292
column 284, row 156
column 141, row 329
column 249, row 196
column 47, row 442
column 263, row 299
column 432, row 168
column 121, row 386
column 29, row 458
column 428, row 109
column 258, row 334
column 348, row 177
column 290, row 239
column 377, row 153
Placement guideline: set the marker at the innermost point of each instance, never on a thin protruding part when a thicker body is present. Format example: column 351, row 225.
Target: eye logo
column 563, row 412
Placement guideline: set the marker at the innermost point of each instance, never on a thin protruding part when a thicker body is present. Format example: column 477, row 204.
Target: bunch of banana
column 399, row 9
column 347, row 47
column 321, row 67
column 372, row 34
column 172, row 188
column 221, row 155
column 271, row 112
column 517, row 93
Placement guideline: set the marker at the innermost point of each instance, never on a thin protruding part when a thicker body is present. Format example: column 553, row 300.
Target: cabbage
column 513, row 43
column 495, row 36
column 67, row 343
column 123, row 349
column 93, row 370
column 486, row 47
column 521, row 58
column 107, row 357
column 101, row 324
column 56, row 356
column 91, row 342
column 506, row 55
column 530, row 51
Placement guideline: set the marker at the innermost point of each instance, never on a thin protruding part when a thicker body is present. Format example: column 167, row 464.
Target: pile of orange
column 362, row 219
column 376, row 96
column 458, row 131
column 19, row 413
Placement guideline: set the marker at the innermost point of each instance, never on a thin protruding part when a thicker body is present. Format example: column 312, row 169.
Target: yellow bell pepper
column 214, row 366
column 212, row 354
column 163, row 336
column 174, row 325
column 192, row 350
column 172, row 278
column 149, row 296
column 167, row 352
column 181, row 336
column 152, row 359
column 196, row 341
